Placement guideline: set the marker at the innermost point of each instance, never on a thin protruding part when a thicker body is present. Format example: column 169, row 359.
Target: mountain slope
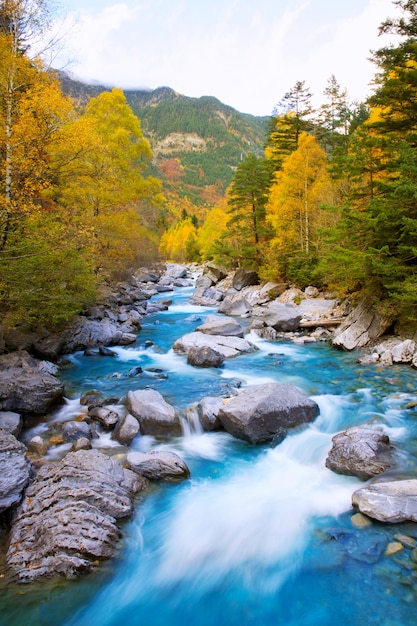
column 197, row 142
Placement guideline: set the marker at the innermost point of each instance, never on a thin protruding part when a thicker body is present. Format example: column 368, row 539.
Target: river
column 259, row 535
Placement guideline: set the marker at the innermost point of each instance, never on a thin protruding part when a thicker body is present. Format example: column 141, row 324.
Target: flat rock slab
column 25, row 386
column 158, row 465
column 67, row 519
column 392, row 501
column 260, row 412
column 155, row 416
column 228, row 347
column 221, row 325
column 360, row 451
column 14, row 470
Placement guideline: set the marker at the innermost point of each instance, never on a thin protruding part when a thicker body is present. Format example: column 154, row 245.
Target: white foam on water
column 69, row 411
column 257, row 517
column 272, row 347
column 332, row 412
column 247, row 377
column 129, row 354
column 213, row 446
column 187, row 308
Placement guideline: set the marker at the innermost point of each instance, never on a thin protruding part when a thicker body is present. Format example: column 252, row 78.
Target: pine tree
column 247, row 226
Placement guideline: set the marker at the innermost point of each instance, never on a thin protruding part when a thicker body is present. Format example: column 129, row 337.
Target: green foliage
column 247, row 229
column 228, row 136
column 45, row 279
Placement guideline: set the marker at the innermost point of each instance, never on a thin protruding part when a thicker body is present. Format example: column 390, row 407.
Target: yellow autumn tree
column 178, row 243
column 106, row 182
column 294, row 207
column 214, row 225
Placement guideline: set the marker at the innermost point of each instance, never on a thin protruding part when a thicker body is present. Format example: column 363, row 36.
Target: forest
column 332, row 201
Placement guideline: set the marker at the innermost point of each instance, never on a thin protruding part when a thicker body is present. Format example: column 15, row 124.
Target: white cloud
column 245, row 53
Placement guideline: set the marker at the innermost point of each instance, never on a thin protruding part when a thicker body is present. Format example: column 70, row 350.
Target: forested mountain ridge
column 197, row 142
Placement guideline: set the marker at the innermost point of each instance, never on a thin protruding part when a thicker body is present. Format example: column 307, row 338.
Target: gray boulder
column 73, row 430
column 175, row 270
column 205, row 293
column 259, row 412
column 204, row 356
column 215, row 272
column 155, row 416
column 145, row 275
column 81, row 444
column 14, row 470
column 362, row 325
column 88, row 333
column 221, row 325
column 24, row 387
column 208, row 411
column 10, row 421
column 362, row 452
column 126, row 430
column 244, row 278
column 281, row 317
column 392, row 501
column 158, row 465
column 228, row 347
column 107, row 417
column 67, row 519
column 235, row 304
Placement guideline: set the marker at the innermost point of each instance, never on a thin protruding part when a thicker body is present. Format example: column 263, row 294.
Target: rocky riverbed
column 62, row 513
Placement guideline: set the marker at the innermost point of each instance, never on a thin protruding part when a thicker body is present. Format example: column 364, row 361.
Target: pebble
column 360, row 521
column 407, row 542
column 393, row 547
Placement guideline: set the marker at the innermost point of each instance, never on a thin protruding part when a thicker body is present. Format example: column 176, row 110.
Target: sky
column 246, row 53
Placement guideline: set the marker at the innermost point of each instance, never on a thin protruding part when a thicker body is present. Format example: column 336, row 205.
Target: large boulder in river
column 204, row 356
column 221, row 325
column 228, row 347
column 25, row 384
column 360, row 451
column 282, row 317
column 259, row 412
column 208, row 412
column 392, row 501
column 14, row 470
column 363, row 325
column 126, row 430
column 67, row 519
column 155, row 416
column 158, row 465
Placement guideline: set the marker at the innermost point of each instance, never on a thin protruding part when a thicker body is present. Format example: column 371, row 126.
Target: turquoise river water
column 258, row 536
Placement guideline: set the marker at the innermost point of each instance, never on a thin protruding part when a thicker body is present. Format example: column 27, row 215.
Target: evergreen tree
column 247, row 226
column 375, row 239
column 298, row 102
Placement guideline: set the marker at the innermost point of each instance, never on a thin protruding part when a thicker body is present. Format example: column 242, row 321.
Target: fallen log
column 325, row 322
